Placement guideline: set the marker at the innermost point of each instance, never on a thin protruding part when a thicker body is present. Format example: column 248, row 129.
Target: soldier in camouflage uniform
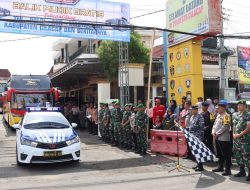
column 100, row 119
column 241, row 135
column 111, row 125
column 196, row 127
column 126, row 127
column 117, row 124
column 106, row 121
column 141, row 123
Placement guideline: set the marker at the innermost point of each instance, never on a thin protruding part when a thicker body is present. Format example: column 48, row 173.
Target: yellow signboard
column 185, row 71
column 194, row 16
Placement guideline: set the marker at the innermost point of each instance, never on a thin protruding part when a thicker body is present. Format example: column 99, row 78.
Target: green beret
column 140, row 106
column 128, row 105
column 113, row 102
column 116, row 103
column 242, row 102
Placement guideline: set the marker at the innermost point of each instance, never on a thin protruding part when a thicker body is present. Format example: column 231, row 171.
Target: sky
column 34, row 56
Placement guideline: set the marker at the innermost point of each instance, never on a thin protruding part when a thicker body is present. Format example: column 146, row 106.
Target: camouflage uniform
column 241, row 146
column 111, row 126
column 106, row 121
column 117, row 125
column 141, row 124
column 100, row 119
column 126, row 130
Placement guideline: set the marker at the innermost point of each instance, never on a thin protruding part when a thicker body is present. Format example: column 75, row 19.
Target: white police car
column 46, row 136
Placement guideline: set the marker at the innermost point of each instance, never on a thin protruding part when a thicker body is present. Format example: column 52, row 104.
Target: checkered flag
column 199, row 150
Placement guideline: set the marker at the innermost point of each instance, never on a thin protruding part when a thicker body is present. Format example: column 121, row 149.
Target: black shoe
column 199, row 169
column 248, row 177
column 137, row 151
column 226, row 173
column 187, row 157
column 143, row 153
column 242, row 172
column 218, row 170
column 195, row 167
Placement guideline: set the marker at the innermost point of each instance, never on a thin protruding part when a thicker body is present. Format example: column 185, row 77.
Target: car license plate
column 52, row 153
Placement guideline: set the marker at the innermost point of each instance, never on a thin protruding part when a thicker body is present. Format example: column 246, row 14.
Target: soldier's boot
column 138, row 151
column 143, row 152
column 242, row 172
column 248, row 177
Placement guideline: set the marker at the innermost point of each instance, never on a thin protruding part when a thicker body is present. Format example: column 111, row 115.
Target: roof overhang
column 77, row 72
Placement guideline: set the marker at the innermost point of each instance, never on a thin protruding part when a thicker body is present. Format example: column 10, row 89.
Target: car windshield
column 45, row 121
column 21, row 101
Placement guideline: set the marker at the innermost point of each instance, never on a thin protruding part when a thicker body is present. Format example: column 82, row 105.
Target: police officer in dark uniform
column 208, row 138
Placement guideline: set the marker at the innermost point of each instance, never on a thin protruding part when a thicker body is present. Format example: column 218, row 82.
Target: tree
column 109, row 54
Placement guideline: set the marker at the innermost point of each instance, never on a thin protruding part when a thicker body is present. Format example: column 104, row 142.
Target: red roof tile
column 5, row 73
column 158, row 51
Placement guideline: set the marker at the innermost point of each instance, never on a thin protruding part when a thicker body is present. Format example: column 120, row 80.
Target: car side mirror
column 74, row 125
column 16, row 126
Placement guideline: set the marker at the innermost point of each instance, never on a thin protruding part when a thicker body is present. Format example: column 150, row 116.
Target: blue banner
column 40, row 12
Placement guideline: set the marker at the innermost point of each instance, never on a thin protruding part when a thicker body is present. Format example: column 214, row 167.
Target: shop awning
column 78, row 71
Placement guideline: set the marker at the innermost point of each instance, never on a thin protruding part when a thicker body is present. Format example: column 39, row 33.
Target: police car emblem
column 171, row 57
column 188, row 83
column 172, row 70
column 172, row 84
column 186, row 52
column 178, row 55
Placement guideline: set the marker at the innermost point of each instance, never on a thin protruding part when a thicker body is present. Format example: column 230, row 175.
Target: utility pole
column 223, row 64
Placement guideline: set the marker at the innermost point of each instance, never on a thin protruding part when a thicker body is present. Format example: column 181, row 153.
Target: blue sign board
column 37, row 14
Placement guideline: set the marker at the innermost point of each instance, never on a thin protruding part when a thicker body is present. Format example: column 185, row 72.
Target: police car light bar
column 37, row 109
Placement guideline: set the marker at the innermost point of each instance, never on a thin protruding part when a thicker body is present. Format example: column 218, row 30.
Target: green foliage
column 138, row 53
column 109, row 54
column 109, row 57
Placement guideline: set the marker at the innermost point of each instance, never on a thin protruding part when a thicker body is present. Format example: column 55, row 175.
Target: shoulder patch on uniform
column 226, row 120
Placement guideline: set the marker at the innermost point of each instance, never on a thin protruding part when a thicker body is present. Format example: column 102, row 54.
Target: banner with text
column 59, row 18
column 192, row 16
column 244, row 68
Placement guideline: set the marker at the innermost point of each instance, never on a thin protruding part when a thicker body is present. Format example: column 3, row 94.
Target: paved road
column 105, row 167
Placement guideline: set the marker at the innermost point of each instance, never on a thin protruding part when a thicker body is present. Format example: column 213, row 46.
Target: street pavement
column 105, row 167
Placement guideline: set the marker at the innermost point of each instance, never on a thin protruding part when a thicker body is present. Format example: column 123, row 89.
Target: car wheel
column 17, row 161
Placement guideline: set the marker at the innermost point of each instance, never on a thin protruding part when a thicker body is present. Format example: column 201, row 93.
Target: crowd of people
column 225, row 133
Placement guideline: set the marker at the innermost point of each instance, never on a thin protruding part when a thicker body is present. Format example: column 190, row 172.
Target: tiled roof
column 158, row 51
column 5, row 73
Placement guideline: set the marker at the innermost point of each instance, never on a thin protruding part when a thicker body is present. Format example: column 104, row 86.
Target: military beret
column 128, row 105
column 205, row 104
column 113, row 102
column 242, row 102
column 140, row 106
column 101, row 103
column 116, row 103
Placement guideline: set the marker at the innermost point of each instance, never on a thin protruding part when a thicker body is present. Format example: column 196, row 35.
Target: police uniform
column 141, row 124
column 221, row 130
column 208, row 138
column 196, row 127
column 126, row 128
column 241, row 146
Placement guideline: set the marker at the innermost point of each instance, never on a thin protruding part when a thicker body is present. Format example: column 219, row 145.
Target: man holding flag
column 196, row 127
